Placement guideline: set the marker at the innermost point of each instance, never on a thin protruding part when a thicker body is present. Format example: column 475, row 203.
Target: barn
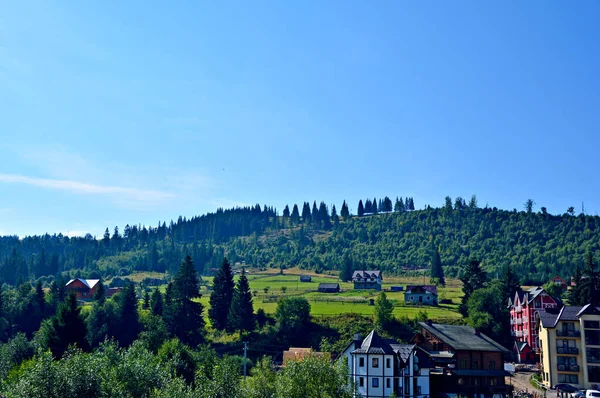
column 329, row 288
column 305, row 278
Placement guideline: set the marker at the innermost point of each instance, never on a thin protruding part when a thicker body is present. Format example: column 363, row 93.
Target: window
column 492, row 365
column 592, row 337
column 591, row 324
column 418, row 389
column 361, row 362
column 593, row 355
column 593, row 374
column 493, row 381
column 475, row 365
column 375, row 382
column 361, row 381
column 463, row 364
column 388, row 363
column 375, row 362
column 387, row 383
column 566, row 378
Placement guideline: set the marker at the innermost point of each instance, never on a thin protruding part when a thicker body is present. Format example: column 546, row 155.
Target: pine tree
column 97, row 325
column 241, row 312
column 295, row 217
column 157, row 302
column 315, row 212
column 334, row 215
column 100, row 294
column 383, row 312
column 473, row 279
column 183, row 316
column 575, row 293
column 106, row 238
column 437, row 271
column 374, row 207
column 128, row 322
column 286, row 211
column 345, row 212
column 220, row 298
column 347, row 268
column 412, row 205
column 65, row 328
column 146, row 304
column 361, row 209
column 306, row 212
column 368, row 206
column 509, row 284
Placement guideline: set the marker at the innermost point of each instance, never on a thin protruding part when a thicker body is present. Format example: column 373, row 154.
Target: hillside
column 400, row 242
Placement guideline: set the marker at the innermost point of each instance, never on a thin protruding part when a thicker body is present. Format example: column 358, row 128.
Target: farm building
column 305, row 278
column 557, row 280
column 83, row 288
column 329, row 287
column 367, row 280
column 421, row 294
column 298, row 354
column 397, row 288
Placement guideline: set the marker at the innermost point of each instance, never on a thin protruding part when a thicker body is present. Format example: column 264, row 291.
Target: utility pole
column 245, row 352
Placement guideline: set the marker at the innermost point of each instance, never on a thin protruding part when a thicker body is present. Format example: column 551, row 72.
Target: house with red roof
column 84, row 288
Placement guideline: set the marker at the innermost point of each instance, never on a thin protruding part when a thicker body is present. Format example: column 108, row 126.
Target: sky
column 133, row 112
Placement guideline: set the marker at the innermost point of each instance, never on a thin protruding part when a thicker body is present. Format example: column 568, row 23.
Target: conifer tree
column 183, row 316
column 437, row 272
column 128, row 322
column 146, row 303
column 157, row 303
column 315, row 212
column 64, row 329
column 368, row 206
column 374, row 207
column 220, row 298
column 575, row 293
column 306, row 212
column 100, row 294
column 295, row 216
column 334, row 215
column 383, row 312
column 361, row 209
column 286, row 211
column 509, row 284
column 241, row 312
column 347, row 268
column 473, row 279
column 345, row 212
column 97, row 324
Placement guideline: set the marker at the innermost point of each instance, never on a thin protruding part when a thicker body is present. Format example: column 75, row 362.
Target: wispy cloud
column 83, row 188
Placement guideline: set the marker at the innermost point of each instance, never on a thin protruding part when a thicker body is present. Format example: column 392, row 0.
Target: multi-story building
column 367, row 280
column 569, row 345
column 421, row 295
column 381, row 367
column 464, row 362
column 523, row 307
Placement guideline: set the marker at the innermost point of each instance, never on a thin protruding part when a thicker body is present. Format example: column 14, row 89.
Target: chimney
column 477, row 332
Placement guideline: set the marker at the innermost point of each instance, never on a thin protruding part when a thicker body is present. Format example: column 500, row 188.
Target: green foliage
column 292, row 316
column 221, row 296
column 241, row 312
column 474, row 278
column 157, row 302
column 383, row 312
column 437, row 272
column 486, row 312
column 127, row 320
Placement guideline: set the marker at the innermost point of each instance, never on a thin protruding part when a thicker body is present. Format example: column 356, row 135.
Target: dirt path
column 520, row 382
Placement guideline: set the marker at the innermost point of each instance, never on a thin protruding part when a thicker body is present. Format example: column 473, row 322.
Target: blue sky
column 118, row 112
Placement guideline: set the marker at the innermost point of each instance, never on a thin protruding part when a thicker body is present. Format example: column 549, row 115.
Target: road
column 520, row 382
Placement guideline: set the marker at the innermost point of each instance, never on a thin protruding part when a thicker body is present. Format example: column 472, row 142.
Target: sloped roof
column 329, row 285
column 403, row 350
column 374, row 344
column 462, row 337
column 551, row 316
column 520, row 345
column 429, row 288
column 90, row 283
column 366, row 274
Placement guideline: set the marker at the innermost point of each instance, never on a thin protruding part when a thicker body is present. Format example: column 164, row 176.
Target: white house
column 379, row 367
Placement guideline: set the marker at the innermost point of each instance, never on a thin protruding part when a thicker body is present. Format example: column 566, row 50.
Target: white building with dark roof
column 368, row 280
column 379, row 367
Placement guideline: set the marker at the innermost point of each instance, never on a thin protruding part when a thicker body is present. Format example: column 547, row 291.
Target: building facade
column 464, row 362
column 569, row 346
column 523, row 307
column 381, row 367
column 368, row 280
column 422, row 295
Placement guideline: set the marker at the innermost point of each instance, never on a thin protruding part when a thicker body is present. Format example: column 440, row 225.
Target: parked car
column 579, row 394
column 565, row 388
column 592, row 393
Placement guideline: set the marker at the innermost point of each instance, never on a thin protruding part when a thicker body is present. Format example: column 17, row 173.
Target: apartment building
column 569, row 346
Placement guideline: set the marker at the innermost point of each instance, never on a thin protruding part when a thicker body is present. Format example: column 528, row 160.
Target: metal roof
column 462, row 337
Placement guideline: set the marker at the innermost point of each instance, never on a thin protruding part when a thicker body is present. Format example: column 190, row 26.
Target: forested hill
column 397, row 239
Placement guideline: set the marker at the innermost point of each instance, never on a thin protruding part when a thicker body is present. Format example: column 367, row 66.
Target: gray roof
column 374, row 344
column 366, row 274
column 551, row 316
column 428, row 288
column 403, row 350
column 521, row 345
column 329, row 285
column 462, row 337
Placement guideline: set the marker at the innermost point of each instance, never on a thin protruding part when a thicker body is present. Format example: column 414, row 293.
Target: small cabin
column 329, row 288
column 421, row 294
column 397, row 288
column 305, row 278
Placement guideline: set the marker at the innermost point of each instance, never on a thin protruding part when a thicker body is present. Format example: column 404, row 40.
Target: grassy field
column 347, row 301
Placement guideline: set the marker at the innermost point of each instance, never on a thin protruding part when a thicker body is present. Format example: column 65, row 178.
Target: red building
column 558, row 281
column 522, row 314
column 84, row 288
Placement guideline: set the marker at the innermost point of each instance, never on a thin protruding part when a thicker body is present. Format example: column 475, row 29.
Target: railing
column 568, row 368
column 518, row 308
column 512, row 321
column 568, row 333
column 519, row 321
column 519, row 333
column 567, row 350
column 574, row 368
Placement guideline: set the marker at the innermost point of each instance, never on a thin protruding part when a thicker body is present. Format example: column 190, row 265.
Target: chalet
column 464, row 361
column 329, row 288
column 381, row 367
column 421, row 294
column 523, row 352
column 369, row 280
column 305, row 278
column 84, row 288
column 298, row 354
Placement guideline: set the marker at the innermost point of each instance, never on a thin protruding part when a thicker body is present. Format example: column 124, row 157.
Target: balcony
column 518, row 309
column 519, row 333
column 519, row 321
column 568, row 333
column 512, row 321
column 567, row 350
column 568, row 368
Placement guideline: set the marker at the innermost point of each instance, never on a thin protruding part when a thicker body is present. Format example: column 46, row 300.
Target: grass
column 327, row 304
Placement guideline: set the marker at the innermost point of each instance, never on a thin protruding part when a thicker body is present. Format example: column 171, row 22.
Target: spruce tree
column 315, row 212
column 286, row 211
column 157, row 303
column 295, row 216
column 361, row 209
column 334, row 215
column 220, row 298
column 374, row 206
column 65, row 328
column 368, row 206
column 100, row 294
column 347, row 268
column 146, row 303
column 97, row 324
column 345, row 212
column 575, row 293
column 473, row 279
column 509, row 284
column 437, row 271
column 241, row 312
column 306, row 212
column 128, row 322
